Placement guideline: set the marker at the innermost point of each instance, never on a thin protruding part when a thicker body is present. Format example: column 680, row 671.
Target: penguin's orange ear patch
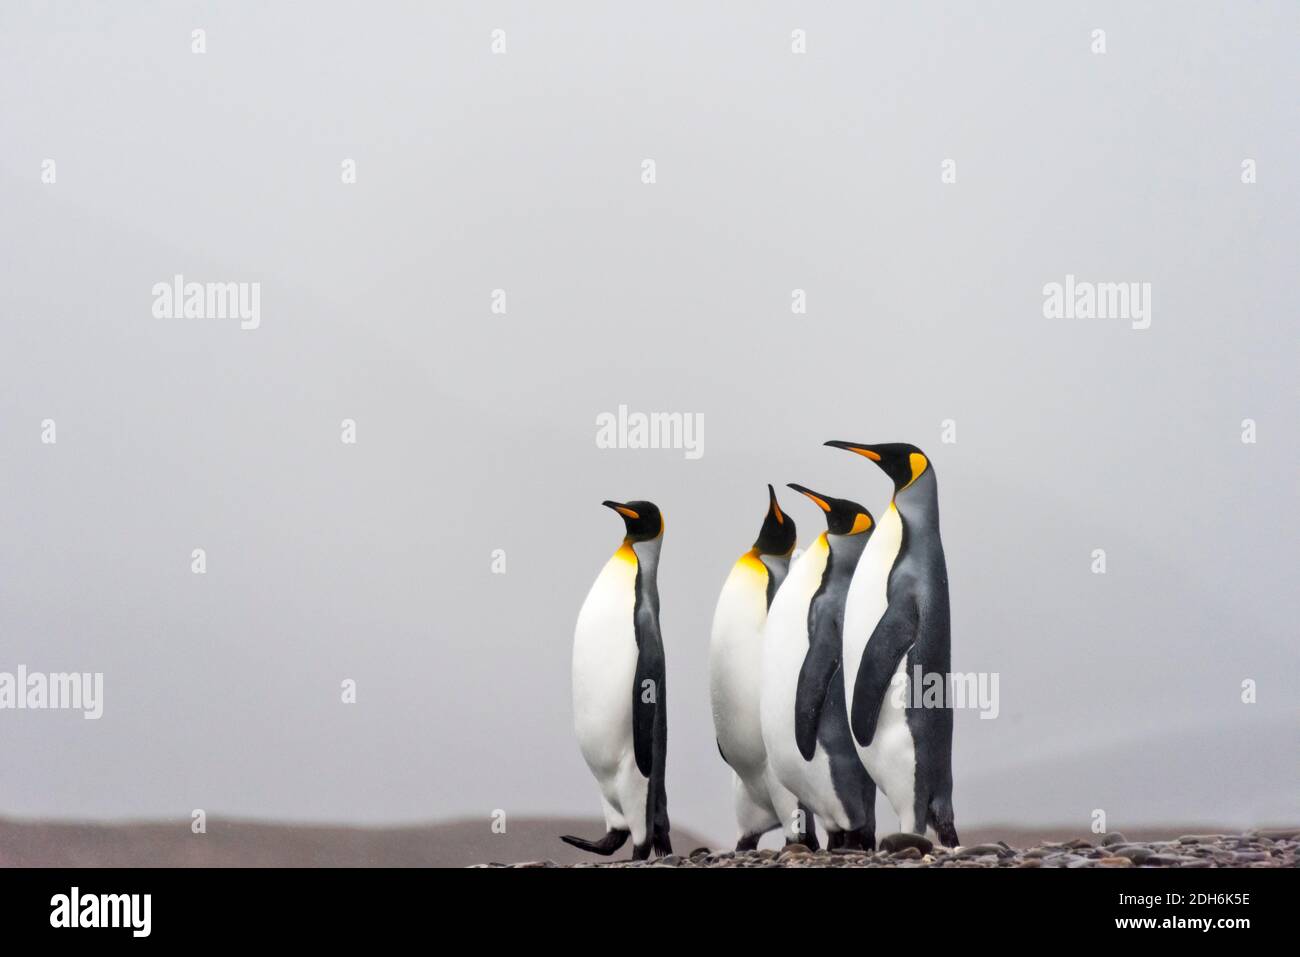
column 626, row 512
column 860, row 524
column 918, row 463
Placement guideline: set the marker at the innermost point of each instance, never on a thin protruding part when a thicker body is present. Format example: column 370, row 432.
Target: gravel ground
column 1263, row 848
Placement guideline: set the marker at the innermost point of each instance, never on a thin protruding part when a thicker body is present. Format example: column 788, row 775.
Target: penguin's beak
column 858, row 447
column 621, row 509
column 816, row 499
column 773, row 507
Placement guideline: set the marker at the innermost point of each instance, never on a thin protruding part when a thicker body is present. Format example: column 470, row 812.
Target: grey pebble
column 1136, row 854
column 980, row 850
column 898, row 841
column 1277, row 833
column 1250, row 857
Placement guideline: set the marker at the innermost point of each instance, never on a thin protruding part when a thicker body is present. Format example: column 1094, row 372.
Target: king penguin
column 619, row 699
column 896, row 621
column 735, row 672
column 805, row 722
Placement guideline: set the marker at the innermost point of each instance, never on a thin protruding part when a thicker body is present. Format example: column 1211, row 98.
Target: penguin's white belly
column 785, row 645
column 735, row 669
column 604, row 669
column 890, row 759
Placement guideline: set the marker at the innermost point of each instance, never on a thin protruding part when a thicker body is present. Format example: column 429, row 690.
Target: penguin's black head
column 901, row 462
column 642, row 519
column 842, row 516
column 776, row 537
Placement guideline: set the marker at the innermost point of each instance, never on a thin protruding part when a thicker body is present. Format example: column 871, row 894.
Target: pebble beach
column 1266, row 848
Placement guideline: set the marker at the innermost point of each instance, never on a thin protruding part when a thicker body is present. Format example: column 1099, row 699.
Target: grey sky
column 476, row 431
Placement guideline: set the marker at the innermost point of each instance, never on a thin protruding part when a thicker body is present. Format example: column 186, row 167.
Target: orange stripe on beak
column 820, row 503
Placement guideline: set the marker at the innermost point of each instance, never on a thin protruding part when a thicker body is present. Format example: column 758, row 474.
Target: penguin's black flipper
column 820, row 666
column 606, row 846
column 895, row 633
column 647, row 692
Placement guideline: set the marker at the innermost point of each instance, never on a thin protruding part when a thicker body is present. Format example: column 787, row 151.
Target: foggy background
column 476, row 431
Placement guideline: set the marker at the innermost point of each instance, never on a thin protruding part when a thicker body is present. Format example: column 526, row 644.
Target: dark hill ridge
column 239, row 843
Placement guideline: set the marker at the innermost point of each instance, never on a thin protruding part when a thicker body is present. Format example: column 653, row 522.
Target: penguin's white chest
column 604, row 665
column 785, row 646
column 735, row 665
column 890, row 759
column 867, row 598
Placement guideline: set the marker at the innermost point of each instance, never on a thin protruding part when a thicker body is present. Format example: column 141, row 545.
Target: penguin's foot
column 808, row 832
column 940, row 818
column 865, row 838
column 948, row 835
column 749, row 842
column 641, row 852
column 606, row 846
